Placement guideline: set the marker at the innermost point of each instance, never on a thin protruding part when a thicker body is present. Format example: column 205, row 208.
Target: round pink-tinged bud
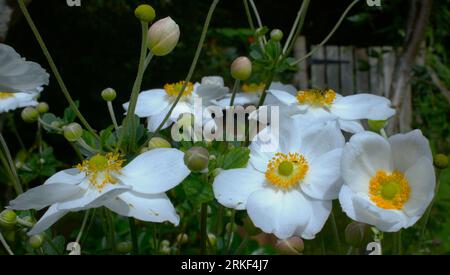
column 109, row 94
column 357, row 234
column 36, row 241
column 145, row 13
column 241, row 68
column 163, row 36
column 8, row 219
column 276, row 35
column 30, row 114
column 291, row 246
column 73, row 132
column 196, row 158
column 42, row 107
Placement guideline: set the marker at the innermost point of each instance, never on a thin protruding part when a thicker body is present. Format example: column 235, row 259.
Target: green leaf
column 108, row 139
column 69, row 113
column 197, row 191
column 236, row 158
column 56, row 248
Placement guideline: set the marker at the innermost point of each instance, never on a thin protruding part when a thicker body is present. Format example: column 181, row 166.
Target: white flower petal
column 51, row 216
column 408, row 148
column 323, row 179
column 289, row 88
column 145, row 207
column 346, row 201
column 154, row 121
column 155, row 171
column 362, row 106
column 150, row 103
column 68, row 176
column 284, row 97
column 233, row 187
column 278, row 212
column 209, row 92
column 44, row 195
column 351, row 126
column 18, row 100
column 363, row 155
column 320, row 212
column 422, row 181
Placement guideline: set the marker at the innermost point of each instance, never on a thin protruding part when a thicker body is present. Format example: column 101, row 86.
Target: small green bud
column 10, row 236
column 241, row 68
column 43, row 107
column 145, row 13
column 73, row 132
column 182, row 238
column 230, row 226
column 196, row 159
column 163, row 36
column 21, row 158
column 109, row 94
column 291, row 246
column 8, row 219
column 376, row 125
column 357, row 234
column 56, row 124
column 276, row 35
column 165, row 243
column 124, row 247
column 29, row 114
column 212, row 239
column 158, row 142
column 440, row 161
column 165, row 250
column 36, row 241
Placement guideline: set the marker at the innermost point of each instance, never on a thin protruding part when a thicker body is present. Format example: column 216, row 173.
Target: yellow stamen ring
column 101, row 169
column 5, row 95
column 317, row 98
column 285, row 171
column 389, row 190
column 175, row 88
column 253, row 88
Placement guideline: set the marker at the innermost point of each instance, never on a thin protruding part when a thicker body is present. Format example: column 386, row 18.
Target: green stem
column 134, row 237
column 203, row 225
column 113, row 116
column 5, row 245
column 12, row 168
column 56, row 129
column 325, row 40
column 237, row 83
column 398, row 236
column 266, row 87
column 83, row 225
column 230, row 231
column 335, row 232
column 249, row 16
column 296, row 28
column 130, row 117
column 428, row 212
column 24, row 222
column 86, row 146
column 242, row 245
column 54, row 68
column 191, row 69
column 16, row 133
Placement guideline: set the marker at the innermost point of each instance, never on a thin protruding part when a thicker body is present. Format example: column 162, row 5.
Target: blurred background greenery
column 96, row 46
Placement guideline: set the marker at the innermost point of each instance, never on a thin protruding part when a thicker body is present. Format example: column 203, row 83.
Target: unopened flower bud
column 124, row 247
column 230, row 226
column 43, row 107
column 291, row 246
column 212, row 239
column 109, row 94
column 276, row 35
column 29, row 114
column 241, row 68
column 165, row 243
column 376, row 125
column 36, row 241
column 10, row 236
column 20, row 158
column 56, row 124
column 196, row 159
column 165, row 250
column 8, row 219
column 163, row 36
column 182, row 238
column 73, row 132
column 440, row 161
column 145, row 13
column 357, row 234
column 158, row 142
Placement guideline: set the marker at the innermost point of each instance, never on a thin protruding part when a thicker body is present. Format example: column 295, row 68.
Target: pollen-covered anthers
column 389, row 190
column 316, row 97
column 285, row 171
column 101, row 169
column 5, row 95
column 175, row 88
column 253, row 88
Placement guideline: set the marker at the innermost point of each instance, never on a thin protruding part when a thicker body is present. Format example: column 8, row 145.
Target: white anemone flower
column 287, row 191
column 315, row 105
column 155, row 104
column 20, row 81
column 389, row 183
column 135, row 190
column 250, row 94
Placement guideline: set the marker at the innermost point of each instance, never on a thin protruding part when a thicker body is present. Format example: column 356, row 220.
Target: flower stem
column 54, row 68
column 325, row 40
column 242, row 245
column 296, row 28
column 83, row 225
column 230, row 231
column 237, row 83
column 10, row 163
column 335, row 231
column 203, row 229
column 191, row 69
column 113, row 116
column 398, row 236
column 134, row 238
column 24, row 222
column 266, row 87
column 129, row 119
column 5, row 245
column 249, row 16
column 428, row 212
